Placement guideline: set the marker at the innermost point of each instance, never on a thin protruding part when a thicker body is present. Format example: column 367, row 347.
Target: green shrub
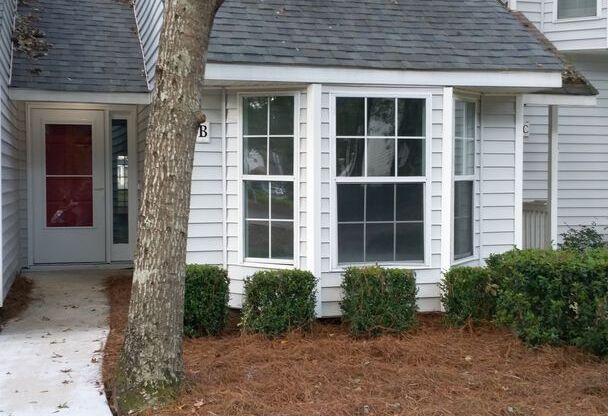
column 554, row 297
column 206, row 300
column 279, row 301
column 378, row 300
column 468, row 294
column 582, row 239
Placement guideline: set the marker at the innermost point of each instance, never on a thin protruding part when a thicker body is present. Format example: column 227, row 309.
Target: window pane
column 350, row 116
column 411, row 157
column 69, row 202
column 349, row 157
column 463, row 219
column 254, row 156
column 381, row 117
column 459, row 156
column 470, row 120
column 256, row 243
column 412, row 116
column 282, row 240
column 255, row 115
column 257, row 199
column 282, row 200
column 120, row 182
column 379, row 242
column 381, row 157
column 69, row 149
column 350, row 243
column 281, row 116
column 380, row 202
column 351, row 202
column 568, row 9
column 410, row 202
column 281, row 156
column 410, row 242
column 459, row 120
column 469, row 157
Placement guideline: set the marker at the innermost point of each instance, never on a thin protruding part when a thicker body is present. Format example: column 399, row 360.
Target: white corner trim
column 24, row 94
column 447, row 178
column 553, row 172
column 558, row 99
column 313, row 187
column 341, row 75
column 519, row 172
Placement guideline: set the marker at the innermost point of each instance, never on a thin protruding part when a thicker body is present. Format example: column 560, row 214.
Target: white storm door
column 68, row 186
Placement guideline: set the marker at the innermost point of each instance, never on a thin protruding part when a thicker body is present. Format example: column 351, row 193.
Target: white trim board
column 23, row 94
column 557, row 99
column 340, row 75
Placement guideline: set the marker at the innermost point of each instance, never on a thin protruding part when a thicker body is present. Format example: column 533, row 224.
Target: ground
column 433, row 371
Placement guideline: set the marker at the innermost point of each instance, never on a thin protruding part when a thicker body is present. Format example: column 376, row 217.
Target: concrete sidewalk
column 50, row 357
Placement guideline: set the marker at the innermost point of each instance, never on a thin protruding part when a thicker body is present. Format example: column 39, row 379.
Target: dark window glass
column 411, row 117
column 380, row 202
column 351, row 202
column 120, row 182
column 379, row 242
column 463, row 219
column 257, row 199
column 380, row 157
column 411, row 157
column 282, row 200
column 281, row 156
column 255, row 116
column 281, row 116
column 350, row 154
column 254, row 155
column 350, row 243
column 282, row 240
column 409, row 242
column 257, row 239
column 380, row 117
column 350, row 116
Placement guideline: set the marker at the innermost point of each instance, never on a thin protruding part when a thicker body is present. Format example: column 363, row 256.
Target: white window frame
column 294, row 178
column 426, row 180
column 474, row 178
column 556, row 19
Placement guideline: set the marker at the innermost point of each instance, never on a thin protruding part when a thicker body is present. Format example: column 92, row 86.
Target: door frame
column 127, row 112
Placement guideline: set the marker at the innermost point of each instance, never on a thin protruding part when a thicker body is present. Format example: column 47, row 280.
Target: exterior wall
column 497, row 175
column 12, row 122
column 149, row 17
column 568, row 35
column 583, row 154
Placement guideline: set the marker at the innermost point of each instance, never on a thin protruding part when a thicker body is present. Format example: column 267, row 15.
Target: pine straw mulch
column 433, row 371
column 17, row 300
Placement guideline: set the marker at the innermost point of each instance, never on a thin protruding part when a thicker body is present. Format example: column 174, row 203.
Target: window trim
column 556, row 19
column 475, row 178
column 426, row 180
column 294, row 178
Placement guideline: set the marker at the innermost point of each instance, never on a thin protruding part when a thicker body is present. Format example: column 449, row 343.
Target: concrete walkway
column 50, row 357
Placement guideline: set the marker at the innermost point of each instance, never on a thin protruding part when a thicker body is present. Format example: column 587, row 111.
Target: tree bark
column 151, row 364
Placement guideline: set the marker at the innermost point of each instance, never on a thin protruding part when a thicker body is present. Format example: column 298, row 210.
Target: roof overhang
column 216, row 72
column 24, row 94
column 561, row 99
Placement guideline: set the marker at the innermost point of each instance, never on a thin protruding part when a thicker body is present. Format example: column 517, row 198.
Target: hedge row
column 557, row 297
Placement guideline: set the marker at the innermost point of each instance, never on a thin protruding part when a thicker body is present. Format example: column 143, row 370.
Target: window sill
column 465, row 260
column 577, row 19
column 268, row 263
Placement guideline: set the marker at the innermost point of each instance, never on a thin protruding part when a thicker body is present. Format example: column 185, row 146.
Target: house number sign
column 203, row 133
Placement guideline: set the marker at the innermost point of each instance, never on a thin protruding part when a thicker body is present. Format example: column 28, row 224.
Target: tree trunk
column 151, row 365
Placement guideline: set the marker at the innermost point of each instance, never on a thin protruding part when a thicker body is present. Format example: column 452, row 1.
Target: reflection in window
column 464, row 171
column 268, row 149
column 120, row 182
column 69, row 175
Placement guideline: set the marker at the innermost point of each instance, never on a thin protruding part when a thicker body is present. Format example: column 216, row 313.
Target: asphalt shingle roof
column 94, row 47
column 383, row 34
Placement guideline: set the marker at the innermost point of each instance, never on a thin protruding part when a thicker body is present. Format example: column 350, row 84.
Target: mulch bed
column 432, row 371
column 17, row 299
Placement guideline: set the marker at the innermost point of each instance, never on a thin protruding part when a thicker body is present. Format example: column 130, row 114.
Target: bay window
column 464, row 178
column 380, row 165
column 268, row 181
column 572, row 9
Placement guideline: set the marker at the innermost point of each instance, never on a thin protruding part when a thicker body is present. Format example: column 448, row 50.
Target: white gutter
column 24, row 94
column 341, row 75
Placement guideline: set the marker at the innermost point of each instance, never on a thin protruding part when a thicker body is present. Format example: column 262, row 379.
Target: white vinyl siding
column 497, row 175
column 149, row 17
column 568, row 34
column 583, row 154
column 13, row 159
